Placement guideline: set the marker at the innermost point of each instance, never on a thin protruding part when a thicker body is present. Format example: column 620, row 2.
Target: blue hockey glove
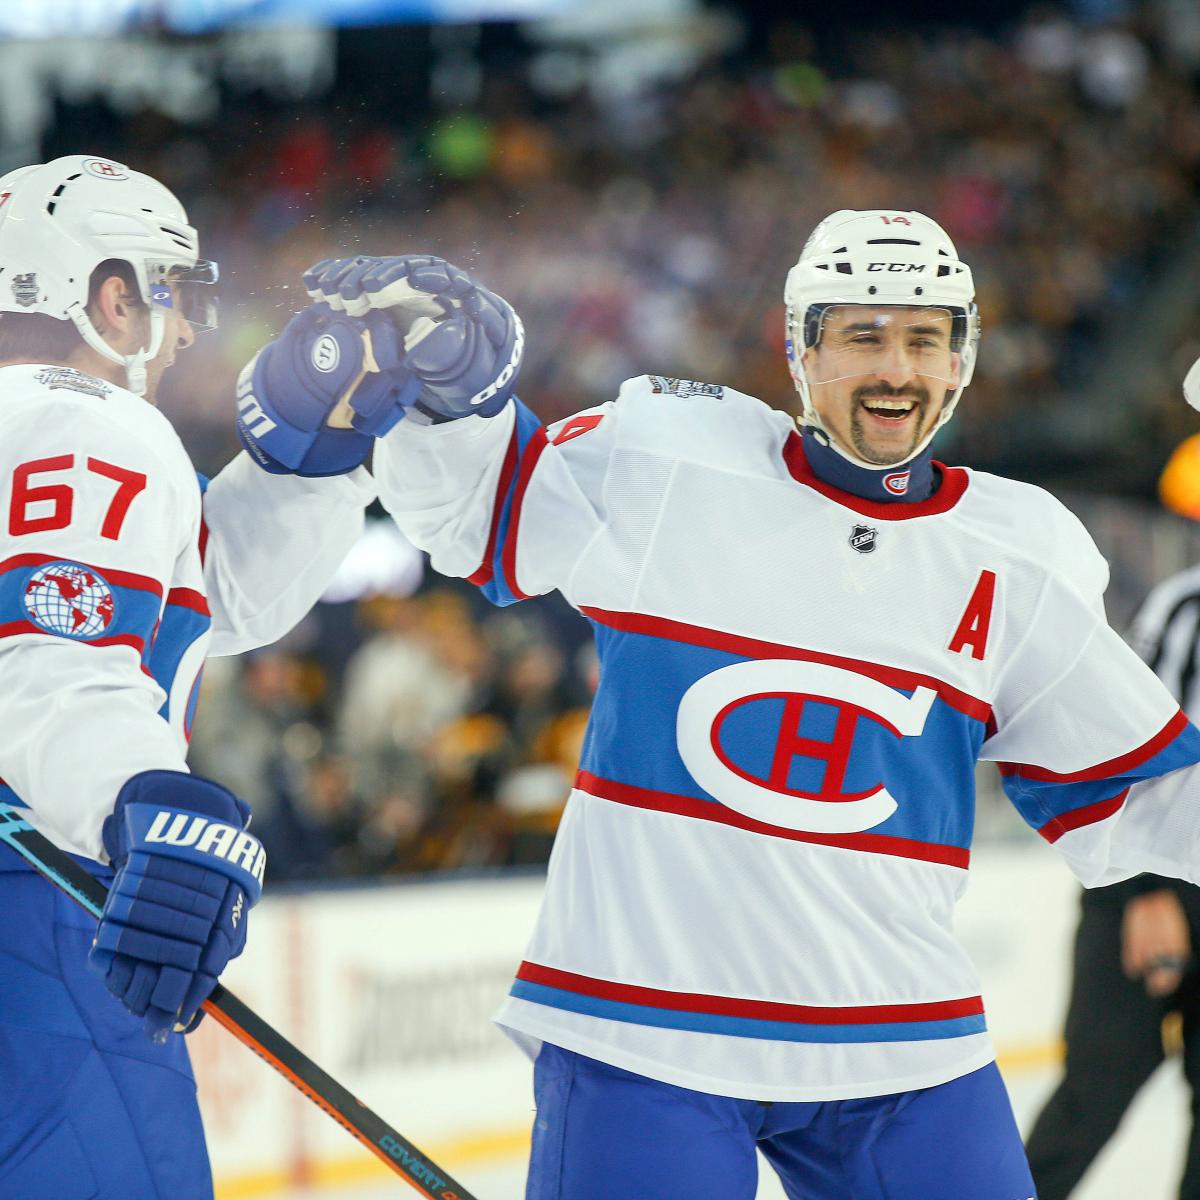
column 462, row 341
column 324, row 367
column 187, row 873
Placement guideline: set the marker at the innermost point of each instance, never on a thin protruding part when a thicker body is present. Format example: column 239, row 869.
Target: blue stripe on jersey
column 1051, row 801
column 499, row 587
column 631, row 738
column 777, row 1031
column 179, row 628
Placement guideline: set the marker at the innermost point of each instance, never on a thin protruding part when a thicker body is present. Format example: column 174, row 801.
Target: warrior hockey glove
column 462, row 341
column 323, row 362
column 187, row 873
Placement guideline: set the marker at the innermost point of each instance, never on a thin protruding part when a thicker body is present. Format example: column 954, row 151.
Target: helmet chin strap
column 135, row 363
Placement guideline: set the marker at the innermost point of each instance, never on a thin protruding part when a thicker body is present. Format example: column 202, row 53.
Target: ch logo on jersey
column 897, row 482
column 783, row 688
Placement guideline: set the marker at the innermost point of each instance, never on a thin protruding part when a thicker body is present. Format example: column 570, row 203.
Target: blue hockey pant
column 90, row 1108
column 602, row 1133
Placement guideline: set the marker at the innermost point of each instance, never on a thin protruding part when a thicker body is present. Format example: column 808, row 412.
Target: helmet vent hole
column 822, row 266
column 872, row 290
column 943, row 270
column 58, row 191
column 75, row 176
column 845, row 269
column 892, row 242
column 841, row 250
column 50, row 207
column 920, row 291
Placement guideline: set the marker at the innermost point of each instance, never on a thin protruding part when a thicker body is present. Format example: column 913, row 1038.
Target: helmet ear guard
column 60, row 220
column 880, row 259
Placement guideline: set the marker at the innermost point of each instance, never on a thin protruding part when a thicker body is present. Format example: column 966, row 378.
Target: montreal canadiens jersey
column 118, row 576
column 752, row 888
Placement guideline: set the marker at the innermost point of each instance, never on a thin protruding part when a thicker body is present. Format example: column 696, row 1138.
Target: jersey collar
column 805, row 457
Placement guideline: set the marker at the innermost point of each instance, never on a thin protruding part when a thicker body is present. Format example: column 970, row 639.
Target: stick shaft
column 249, row 1028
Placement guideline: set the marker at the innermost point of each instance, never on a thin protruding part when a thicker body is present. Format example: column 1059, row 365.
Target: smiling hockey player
column 807, row 639
column 118, row 573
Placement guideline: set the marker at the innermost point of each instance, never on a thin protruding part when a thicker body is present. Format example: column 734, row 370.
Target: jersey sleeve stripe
column 1106, row 770
column 706, row 810
column 1077, row 818
column 188, row 598
column 747, row 647
column 127, row 579
column 484, row 572
column 529, row 460
column 497, row 573
column 20, row 628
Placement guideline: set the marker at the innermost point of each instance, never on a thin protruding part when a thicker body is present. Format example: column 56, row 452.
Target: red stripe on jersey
column 482, row 575
column 17, row 628
column 1089, row 814
column 710, row 810
column 188, row 598
column 747, row 647
column 508, row 557
column 762, row 1010
column 203, row 540
column 1105, row 770
column 122, row 578
column 954, row 484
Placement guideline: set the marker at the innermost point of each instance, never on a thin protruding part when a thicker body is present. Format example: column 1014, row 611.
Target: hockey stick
column 249, row 1028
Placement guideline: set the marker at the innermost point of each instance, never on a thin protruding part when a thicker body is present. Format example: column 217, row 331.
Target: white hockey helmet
column 62, row 219
column 879, row 258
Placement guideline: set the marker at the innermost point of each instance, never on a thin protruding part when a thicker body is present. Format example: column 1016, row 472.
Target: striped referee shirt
column 1166, row 633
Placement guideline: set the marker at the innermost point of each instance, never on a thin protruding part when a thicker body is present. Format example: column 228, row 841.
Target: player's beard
column 858, row 436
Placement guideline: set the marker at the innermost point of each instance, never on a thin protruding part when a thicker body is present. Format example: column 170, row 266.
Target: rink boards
column 390, row 989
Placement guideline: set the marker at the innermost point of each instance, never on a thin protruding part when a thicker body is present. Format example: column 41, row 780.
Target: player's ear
column 112, row 308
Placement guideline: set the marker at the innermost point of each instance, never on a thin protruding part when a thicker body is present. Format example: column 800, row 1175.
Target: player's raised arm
column 471, row 475
column 282, row 515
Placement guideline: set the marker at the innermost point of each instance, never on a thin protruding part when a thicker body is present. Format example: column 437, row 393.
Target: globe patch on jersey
column 69, row 599
column 685, row 389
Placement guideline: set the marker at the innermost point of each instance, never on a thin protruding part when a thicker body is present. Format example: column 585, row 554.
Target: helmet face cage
column 885, row 260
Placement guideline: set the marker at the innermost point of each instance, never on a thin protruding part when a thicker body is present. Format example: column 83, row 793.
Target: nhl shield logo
column 862, row 538
column 25, row 289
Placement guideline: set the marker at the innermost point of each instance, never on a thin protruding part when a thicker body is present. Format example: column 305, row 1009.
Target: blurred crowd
column 399, row 734
column 650, row 229
column 635, row 229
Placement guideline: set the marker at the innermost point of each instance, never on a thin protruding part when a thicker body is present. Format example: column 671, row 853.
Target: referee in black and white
column 1134, row 961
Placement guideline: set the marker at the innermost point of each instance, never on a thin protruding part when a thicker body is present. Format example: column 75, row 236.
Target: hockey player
column 807, row 638
column 118, row 573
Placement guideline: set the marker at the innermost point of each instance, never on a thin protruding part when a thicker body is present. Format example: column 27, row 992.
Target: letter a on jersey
column 976, row 620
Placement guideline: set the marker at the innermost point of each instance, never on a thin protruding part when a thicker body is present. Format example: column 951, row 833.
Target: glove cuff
column 186, row 817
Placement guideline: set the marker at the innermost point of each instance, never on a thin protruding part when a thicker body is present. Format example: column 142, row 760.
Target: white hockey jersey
column 752, row 888
column 116, row 580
